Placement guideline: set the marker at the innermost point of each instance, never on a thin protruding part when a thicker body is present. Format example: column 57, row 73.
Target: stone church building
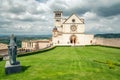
column 70, row 31
column 67, row 31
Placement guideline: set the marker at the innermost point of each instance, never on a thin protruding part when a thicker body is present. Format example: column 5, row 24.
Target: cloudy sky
column 28, row 17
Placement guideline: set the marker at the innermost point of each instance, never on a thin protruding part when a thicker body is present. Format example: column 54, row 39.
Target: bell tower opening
column 58, row 14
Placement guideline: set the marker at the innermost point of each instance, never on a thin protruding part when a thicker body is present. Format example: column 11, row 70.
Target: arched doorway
column 73, row 39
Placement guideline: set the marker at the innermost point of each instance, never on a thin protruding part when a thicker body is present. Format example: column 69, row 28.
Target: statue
column 12, row 66
column 12, row 50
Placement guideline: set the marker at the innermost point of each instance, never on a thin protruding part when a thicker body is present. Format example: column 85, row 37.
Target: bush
column 110, row 64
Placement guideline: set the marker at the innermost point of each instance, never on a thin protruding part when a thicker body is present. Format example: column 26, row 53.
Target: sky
column 35, row 17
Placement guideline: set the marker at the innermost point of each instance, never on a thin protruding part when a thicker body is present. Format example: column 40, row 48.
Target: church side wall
column 84, row 39
column 115, row 42
column 56, row 40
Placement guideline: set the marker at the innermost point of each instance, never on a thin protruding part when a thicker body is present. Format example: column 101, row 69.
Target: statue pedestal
column 9, row 69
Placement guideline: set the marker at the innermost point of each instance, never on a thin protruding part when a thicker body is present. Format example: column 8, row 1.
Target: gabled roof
column 75, row 16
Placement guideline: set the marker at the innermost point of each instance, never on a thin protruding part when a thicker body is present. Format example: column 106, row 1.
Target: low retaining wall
column 35, row 52
column 114, row 42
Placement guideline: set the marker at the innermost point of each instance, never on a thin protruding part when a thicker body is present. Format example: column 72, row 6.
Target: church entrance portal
column 73, row 39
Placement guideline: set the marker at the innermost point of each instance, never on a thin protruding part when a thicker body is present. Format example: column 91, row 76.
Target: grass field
column 69, row 63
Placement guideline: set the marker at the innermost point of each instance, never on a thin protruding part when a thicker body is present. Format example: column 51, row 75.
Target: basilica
column 70, row 31
column 67, row 32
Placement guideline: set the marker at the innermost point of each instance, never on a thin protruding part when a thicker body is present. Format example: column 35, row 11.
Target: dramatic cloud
column 36, row 16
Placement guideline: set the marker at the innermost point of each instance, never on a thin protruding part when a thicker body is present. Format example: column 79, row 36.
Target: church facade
column 70, row 31
column 67, row 31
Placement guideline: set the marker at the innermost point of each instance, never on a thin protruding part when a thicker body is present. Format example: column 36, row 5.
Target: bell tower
column 58, row 18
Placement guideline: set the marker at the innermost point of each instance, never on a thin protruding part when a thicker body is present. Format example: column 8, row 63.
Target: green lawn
column 69, row 63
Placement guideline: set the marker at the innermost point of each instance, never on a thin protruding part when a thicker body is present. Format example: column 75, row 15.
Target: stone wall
column 35, row 44
column 3, row 46
column 115, row 42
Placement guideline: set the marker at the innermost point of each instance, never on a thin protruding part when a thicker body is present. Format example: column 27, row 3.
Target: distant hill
column 108, row 35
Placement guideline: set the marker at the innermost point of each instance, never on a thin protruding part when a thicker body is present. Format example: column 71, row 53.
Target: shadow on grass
column 24, row 68
column 1, row 58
